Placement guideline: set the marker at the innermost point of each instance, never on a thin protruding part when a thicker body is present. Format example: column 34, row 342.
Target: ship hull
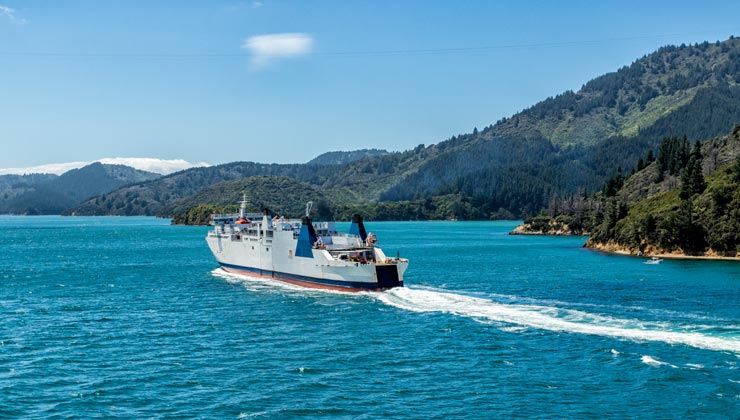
column 305, row 281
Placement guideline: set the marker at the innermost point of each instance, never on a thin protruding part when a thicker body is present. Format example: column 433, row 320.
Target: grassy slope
column 564, row 126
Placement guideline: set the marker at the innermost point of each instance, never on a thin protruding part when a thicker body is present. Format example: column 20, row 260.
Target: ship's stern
column 390, row 275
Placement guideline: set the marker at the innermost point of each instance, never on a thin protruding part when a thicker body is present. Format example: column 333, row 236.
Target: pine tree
column 736, row 169
column 692, row 181
column 650, row 156
column 640, row 165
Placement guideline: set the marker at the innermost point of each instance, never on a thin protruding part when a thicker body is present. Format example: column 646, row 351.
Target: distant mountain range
column 566, row 145
column 54, row 194
column 158, row 166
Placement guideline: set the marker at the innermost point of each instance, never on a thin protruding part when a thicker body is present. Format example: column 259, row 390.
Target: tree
column 692, row 180
column 736, row 169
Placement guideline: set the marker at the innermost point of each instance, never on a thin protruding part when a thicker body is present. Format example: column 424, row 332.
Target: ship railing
column 250, row 216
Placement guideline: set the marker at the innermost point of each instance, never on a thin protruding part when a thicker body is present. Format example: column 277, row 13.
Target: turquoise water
column 128, row 318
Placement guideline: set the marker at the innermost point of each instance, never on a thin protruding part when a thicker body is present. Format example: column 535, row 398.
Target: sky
column 284, row 81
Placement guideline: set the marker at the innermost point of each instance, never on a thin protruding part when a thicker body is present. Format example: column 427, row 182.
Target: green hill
column 282, row 195
column 12, row 186
column 559, row 147
column 686, row 203
column 359, row 182
column 340, row 158
column 51, row 194
column 578, row 139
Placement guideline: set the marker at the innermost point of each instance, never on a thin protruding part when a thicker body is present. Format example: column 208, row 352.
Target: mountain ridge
column 52, row 194
column 343, row 157
column 557, row 147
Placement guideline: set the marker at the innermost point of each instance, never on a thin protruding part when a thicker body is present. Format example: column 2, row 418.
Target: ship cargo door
column 387, row 276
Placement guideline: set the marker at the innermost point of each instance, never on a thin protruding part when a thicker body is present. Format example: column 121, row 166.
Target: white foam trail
column 650, row 361
column 513, row 329
column 248, row 415
column 551, row 318
column 253, row 283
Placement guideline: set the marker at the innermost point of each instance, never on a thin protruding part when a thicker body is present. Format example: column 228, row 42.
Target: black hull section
column 387, row 276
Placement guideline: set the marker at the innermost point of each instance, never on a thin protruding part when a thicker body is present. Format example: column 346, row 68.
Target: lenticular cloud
column 159, row 166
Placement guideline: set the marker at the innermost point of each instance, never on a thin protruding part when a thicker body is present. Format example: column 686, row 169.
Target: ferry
column 303, row 252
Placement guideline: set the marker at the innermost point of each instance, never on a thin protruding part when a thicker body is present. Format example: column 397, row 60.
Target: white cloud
column 52, row 168
column 267, row 48
column 160, row 166
column 257, row 4
column 10, row 14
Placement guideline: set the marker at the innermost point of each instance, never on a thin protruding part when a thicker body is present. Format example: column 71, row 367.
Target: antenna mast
column 244, row 203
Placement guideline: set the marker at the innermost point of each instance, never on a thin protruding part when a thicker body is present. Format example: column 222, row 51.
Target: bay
column 130, row 318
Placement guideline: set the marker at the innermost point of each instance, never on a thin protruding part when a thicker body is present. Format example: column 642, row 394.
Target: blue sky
column 283, row 81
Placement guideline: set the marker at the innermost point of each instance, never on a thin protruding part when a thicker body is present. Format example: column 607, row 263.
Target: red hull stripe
column 307, row 282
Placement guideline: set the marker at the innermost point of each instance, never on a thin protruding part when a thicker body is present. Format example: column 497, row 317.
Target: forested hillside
column 566, row 145
column 576, row 140
column 12, row 186
column 51, row 194
column 684, row 198
column 281, row 195
column 358, row 182
column 340, row 158
column 687, row 202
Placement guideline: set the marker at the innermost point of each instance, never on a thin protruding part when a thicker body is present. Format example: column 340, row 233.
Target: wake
column 553, row 318
column 518, row 316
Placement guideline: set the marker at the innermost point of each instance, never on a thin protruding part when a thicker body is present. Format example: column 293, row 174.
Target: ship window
column 268, row 249
column 290, row 253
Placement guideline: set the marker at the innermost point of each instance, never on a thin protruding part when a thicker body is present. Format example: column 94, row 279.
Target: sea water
column 131, row 318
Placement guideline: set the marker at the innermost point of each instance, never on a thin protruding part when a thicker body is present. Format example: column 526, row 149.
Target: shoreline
column 525, row 229
column 617, row 250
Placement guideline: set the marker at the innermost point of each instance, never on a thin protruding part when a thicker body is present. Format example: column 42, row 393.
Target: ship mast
column 244, row 202
column 309, row 205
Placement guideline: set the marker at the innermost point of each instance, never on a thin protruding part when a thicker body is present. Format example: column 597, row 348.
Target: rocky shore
column 651, row 251
column 551, row 228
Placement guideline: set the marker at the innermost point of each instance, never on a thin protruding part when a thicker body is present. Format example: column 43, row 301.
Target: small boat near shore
column 654, row 260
